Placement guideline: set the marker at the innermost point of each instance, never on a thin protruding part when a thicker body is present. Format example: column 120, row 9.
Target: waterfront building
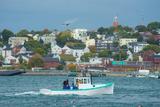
column 50, row 62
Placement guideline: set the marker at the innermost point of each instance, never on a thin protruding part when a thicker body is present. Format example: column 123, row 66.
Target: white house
column 7, row 51
column 90, row 42
column 137, row 46
column 95, row 60
column 36, row 36
column 15, row 41
column 47, row 38
column 55, row 48
column 126, row 41
column 79, row 52
column 100, row 36
column 30, row 35
column 79, row 34
column 22, row 50
column 67, row 50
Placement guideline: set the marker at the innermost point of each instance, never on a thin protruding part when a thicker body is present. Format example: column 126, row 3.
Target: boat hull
column 97, row 90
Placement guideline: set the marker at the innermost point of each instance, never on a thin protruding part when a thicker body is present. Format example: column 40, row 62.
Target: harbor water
column 23, row 91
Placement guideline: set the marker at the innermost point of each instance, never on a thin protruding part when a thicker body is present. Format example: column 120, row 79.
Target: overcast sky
column 90, row 14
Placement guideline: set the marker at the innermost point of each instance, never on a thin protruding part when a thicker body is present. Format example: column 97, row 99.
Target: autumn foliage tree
column 71, row 67
column 92, row 49
column 36, row 61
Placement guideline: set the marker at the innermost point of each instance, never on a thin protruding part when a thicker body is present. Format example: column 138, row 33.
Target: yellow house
column 125, row 41
column 90, row 42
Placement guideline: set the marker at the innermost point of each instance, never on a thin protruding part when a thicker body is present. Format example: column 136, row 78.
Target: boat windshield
column 83, row 80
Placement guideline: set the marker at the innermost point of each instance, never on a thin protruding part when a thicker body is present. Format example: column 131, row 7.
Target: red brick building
column 50, row 62
column 148, row 55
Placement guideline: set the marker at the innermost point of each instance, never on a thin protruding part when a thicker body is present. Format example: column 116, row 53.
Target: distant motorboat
column 139, row 74
column 10, row 73
column 153, row 76
column 144, row 72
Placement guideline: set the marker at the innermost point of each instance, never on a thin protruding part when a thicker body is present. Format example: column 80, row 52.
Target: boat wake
column 29, row 93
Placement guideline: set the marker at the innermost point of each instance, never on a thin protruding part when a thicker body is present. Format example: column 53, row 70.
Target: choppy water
column 23, row 91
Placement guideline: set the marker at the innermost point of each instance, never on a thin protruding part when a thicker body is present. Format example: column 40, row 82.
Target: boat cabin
column 83, row 82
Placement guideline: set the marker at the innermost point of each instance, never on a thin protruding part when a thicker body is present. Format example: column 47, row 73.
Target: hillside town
column 115, row 48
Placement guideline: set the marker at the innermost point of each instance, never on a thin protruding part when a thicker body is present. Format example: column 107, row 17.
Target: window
column 85, row 81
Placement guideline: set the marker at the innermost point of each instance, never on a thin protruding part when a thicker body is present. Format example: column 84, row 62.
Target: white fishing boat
column 84, row 87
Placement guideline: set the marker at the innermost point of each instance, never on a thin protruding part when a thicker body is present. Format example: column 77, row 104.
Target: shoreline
column 44, row 74
column 67, row 73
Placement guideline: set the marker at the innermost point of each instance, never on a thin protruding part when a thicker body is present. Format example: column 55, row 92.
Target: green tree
column 92, row 35
column 124, row 47
column 6, row 34
column 135, row 58
column 47, row 48
column 151, row 40
column 138, row 36
column 40, row 51
column 22, row 33
column 1, row 58
column 141, row 28
column 122, row 55
column 65, row 57
column 63, row 38
column 111, row 30
column 127, row 29
column 155, row 48
column 76, row 45
column 60, row 67
column 153, row 26
column 115, row 43
column 36, row 61
column 102, row 30
column 105, row 53
column 21, row 60
column 36, row 47
column 24, row 65
column 86, row 56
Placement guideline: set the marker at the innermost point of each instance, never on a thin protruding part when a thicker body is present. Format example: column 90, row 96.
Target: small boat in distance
column 82, row 86
column 10, row 72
